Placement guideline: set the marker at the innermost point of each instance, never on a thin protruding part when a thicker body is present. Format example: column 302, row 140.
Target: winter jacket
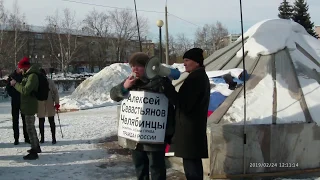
column 13, row 93
column 28, row 85
column 192, row 101
column 117, row 94
column 46, row 108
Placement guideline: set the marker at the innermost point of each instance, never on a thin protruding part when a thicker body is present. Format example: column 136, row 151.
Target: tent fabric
column 216, row 98
column 218, row 95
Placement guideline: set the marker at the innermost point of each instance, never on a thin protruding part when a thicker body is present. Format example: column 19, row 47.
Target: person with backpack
column 47, row 108
column 29, row 103
column 15, row 108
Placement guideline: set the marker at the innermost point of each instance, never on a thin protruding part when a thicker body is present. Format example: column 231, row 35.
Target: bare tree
column 182, row 44
column 218, row 32
column 63, row 37
column 210, row 37
column 124, row 30
column 16, row 23
column 203, row 38
column 172, row 45
column 5, row 63
column 172, row 48
column 98, row 24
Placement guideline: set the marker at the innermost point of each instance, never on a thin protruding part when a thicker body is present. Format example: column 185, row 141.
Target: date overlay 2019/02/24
column 270, row 165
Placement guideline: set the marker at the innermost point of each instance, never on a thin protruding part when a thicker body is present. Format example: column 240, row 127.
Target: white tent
column 282, row 102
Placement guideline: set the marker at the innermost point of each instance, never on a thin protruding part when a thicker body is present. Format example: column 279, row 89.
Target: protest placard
column 143, row 117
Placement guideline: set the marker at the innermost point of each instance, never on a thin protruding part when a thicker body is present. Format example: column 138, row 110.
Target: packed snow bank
column 95, row 91
column 269, row 37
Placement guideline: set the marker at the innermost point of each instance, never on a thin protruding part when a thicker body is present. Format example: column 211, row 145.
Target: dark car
column 3, row 91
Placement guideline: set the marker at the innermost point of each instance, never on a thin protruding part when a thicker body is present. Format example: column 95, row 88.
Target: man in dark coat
column 15, row 107
column 29, row 103
column 190, row 139
column 145, row 156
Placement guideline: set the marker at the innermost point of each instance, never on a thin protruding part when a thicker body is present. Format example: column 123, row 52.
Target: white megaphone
column 154, row 68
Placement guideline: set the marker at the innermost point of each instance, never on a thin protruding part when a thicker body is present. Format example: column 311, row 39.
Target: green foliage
column 301, row 16
column 285, row 10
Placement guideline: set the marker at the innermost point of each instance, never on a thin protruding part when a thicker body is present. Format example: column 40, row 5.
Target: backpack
column 43, row 88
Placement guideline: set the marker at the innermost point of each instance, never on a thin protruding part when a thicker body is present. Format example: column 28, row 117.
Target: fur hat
column 138, row 59
column 195, row 54
column 24, row 63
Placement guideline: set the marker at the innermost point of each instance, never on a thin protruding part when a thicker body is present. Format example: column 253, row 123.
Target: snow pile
column 95, row 91
column 70, row 76
column 268, row 37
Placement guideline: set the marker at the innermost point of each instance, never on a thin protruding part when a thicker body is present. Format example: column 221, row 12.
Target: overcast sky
column 192, row 13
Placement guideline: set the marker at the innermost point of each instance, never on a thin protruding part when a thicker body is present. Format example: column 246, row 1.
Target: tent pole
column 244, row 95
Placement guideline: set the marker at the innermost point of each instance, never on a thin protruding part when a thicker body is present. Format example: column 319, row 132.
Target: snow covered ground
column 88, row 149
column 76, row 156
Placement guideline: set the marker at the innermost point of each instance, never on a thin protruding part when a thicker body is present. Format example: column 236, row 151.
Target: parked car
column 3, row 91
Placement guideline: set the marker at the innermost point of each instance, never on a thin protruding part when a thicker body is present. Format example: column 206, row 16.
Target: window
column 38, row 36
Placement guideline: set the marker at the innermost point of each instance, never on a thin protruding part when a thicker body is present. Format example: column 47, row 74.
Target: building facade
column 231, row 38
column 317, row 29
column 72, row 51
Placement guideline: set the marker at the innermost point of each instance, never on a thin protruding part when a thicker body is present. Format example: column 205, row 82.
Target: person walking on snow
column 29, row 103
column 48, row 109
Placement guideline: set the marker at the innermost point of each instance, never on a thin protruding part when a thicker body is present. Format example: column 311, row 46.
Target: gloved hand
column 57, row 106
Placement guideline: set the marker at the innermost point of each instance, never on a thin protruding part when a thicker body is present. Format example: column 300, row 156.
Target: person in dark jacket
column 190, row 139
column 15, row 108
column 29, row 103
column 145, row 156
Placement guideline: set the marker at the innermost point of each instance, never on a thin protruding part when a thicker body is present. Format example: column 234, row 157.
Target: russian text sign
column 143, row 117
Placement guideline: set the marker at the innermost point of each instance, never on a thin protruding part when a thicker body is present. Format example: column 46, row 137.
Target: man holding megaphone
column 154, row 68
column 146, row 154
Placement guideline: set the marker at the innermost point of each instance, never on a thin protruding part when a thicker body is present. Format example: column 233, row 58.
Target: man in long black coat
column 15, row 107
column 190, row 139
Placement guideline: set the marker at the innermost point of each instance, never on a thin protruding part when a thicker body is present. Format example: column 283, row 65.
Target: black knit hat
column 195, row 54
column 138, row 58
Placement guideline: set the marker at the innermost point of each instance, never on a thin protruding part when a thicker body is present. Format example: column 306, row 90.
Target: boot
column 37, row 150
column 31, row 156
column 41, row 128
column 27, row 140
column 53, row 129
column 16, row 142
